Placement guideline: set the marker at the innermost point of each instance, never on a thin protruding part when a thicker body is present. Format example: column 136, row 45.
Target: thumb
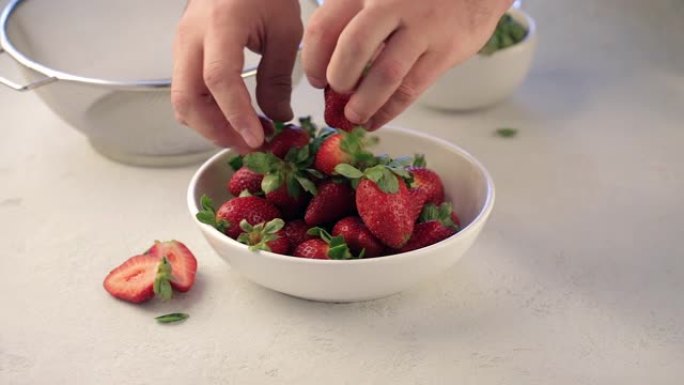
column 274, row 75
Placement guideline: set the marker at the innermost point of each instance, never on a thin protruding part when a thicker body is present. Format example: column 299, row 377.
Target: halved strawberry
column 228, row 217
column 334, row 200
column 358, row 237
column 183, row 263
column 334, row 110
column 267, row 236
column 132, row 281
column 324, row 247
column 245, row 179
column 140, row 278
column 436, row 224
column 343, row 147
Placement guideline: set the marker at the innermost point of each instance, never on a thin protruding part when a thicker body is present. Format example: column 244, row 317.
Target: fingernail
column 352, row 115
column 317, row 82
column 250, row 138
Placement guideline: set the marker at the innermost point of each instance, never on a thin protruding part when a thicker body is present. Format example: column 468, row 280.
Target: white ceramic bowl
column 467, row 184
column 482, row 81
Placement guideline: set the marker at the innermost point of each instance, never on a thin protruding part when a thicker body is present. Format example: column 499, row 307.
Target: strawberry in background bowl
column 370, row 239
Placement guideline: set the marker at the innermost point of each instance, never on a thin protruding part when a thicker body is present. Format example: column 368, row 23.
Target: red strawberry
column 386, row 209
column 333, row 201
column 312, row 249
column 183, row 263
column 343, row 147
column 267, row 236
column 133, row 280
column 427, row 183
column 325, row 247
column 296, row 232
column 436, row 224
column 245, row 179
column 417, row 203
column 334, row 110
column 228, row 217
column 287, row 137
column 290, row 206
column 358, row 237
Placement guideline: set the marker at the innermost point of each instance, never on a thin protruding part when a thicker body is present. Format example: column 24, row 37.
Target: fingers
column 192, row 102
column 222, row 68
column 385, row 75
column 357, row 45
column 426, row 70
column 274, row 76
column 320, row 37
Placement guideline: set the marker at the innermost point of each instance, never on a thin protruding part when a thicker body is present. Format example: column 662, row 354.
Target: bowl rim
column 471, row 227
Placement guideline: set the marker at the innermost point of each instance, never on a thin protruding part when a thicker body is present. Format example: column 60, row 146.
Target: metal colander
column 104, row 67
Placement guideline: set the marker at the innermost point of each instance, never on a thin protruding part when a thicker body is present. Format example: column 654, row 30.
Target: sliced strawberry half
column 183, row 263
column 133, row 280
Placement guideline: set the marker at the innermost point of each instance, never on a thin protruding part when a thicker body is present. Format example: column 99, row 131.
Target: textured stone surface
column 576, row 280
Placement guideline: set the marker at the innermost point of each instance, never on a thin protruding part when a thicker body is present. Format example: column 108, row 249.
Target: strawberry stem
column 162, row 282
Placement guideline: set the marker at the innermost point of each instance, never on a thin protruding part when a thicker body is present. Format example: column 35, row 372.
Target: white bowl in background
column 482, row 81
column 467, row 184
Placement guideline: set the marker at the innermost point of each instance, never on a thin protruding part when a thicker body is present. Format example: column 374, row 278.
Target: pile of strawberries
column 322, row 194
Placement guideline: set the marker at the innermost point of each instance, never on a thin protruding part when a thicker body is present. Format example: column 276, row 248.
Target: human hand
column 410, row 44
column 208, row 93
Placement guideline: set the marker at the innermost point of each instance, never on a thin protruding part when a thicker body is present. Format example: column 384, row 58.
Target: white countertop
column 577, row 279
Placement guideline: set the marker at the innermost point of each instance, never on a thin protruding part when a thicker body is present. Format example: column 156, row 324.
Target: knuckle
column 391, row 71
column 214, row 75
column 404, row 95
column 182, row 105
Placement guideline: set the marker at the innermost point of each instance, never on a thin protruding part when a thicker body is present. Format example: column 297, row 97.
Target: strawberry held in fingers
column 334, row 200
column 334, row 110
column 436, row 224
column 383, row 202
column 267, row 236
column 228, row 217
column 358, row 237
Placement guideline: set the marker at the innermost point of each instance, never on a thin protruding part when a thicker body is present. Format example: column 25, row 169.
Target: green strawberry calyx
column 385, row 174
column 207, row 214
column 441, row 213
column 258, row 236
column 294, row 171
column 337, row 247
column 162, row 281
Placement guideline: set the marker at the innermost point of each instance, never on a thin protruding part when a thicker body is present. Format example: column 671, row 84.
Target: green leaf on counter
column 506, row 132
column 172, row 317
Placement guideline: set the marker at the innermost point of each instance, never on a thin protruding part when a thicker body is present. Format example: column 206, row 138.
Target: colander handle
column 26, row 87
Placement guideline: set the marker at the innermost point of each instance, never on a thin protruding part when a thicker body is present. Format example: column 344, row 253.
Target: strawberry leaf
column 207, row 203
column 271, row 182
column 374, row 173
column 261, row 162
column 348, row 171
column 208, row 215
column 308, row 125
column 321, row 233
column 245, row 226
column 307, row 184
column 235, row 162
column 273, row 226
column 293, row 188
column 339, row 249
column 419, row 161
column 171, row 318
column 388, row 182
column 315, row 173
column 162, row 282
